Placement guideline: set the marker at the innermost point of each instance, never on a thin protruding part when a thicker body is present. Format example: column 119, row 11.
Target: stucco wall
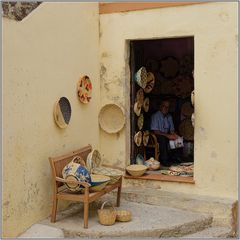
column 214, row 27
column 43, row 57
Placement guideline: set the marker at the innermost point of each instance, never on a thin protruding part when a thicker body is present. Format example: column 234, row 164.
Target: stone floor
column 147, row 221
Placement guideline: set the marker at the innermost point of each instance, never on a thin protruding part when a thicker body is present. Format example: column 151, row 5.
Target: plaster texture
column 214, row 28
column 44, row 56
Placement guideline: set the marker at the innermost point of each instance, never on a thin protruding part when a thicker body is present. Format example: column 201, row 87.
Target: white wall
column 214, row 27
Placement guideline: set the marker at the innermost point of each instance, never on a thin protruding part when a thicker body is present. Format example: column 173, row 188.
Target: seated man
column 162, row 126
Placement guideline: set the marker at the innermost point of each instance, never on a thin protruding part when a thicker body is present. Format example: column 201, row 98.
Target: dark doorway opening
column 171, row 61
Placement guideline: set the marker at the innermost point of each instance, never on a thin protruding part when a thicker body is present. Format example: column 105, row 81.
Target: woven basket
column 107, row 216
column 111, row 118
column 123, row 216
column 136, row 170
column 62, row 112
column 114, row 174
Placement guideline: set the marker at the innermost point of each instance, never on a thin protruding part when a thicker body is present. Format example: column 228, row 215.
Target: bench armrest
column 84, row 184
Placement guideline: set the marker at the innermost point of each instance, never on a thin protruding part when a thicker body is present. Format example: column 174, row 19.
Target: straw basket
column 62, row 112
column 111, row 118
column 141, row 77
column 107, row 216
column 136, row 170
column 114, row 174
column 123, row 216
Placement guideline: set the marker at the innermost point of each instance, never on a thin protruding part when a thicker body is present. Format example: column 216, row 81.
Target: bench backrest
column 58, row 163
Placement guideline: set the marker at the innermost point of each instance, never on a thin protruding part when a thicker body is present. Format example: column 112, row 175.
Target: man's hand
column 172, row 136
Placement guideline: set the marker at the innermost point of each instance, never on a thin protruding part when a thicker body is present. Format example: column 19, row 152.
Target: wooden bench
column 61, row 192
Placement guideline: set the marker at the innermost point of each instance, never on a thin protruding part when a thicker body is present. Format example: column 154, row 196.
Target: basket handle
column 110, row 205
column 80, row 159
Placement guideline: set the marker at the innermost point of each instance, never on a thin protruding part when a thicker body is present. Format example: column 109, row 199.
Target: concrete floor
column 147, row 221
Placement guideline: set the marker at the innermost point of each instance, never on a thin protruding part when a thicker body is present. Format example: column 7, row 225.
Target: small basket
column 107, row 216
column 136, row 170
column 124, row 216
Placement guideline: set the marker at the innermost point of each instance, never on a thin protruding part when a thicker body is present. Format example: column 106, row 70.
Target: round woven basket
column 136, row 170
column 114, row 174
column 84, row 89
column 98, row 182
column 107, row 216
column 123, row 216
column 62, row 112
column 111, row 118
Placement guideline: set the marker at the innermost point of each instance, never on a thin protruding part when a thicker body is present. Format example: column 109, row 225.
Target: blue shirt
column 161, row 122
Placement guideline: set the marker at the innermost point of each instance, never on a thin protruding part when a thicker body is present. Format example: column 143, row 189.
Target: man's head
column 164, row 107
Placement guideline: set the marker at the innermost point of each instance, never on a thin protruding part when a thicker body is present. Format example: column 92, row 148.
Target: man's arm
column 171, row 136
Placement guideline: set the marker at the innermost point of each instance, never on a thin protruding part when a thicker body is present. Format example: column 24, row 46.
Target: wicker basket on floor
column 123, row 216
column 107, row 216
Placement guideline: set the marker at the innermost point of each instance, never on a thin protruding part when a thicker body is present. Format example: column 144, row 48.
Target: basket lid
column 111, row 118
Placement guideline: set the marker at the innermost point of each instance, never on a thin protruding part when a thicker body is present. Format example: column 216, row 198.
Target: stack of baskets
column 110, row 215
column 99, row 173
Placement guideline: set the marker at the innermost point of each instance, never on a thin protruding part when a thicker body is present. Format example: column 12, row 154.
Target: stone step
column 212, row 232
column 42, row 231
column 147, row 221
column 223, row 210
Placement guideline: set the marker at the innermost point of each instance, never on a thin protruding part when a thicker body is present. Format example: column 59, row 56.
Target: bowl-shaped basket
column 136, row 170
column 98, row 182
column 114, row 174
column 123, row 216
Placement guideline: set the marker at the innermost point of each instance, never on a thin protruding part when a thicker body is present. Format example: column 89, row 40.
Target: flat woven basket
column 107, row 216
column 114, row 174
column 111, row 118
column 124, row 216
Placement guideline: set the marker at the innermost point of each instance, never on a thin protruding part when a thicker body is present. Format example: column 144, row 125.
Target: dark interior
column 172, row 63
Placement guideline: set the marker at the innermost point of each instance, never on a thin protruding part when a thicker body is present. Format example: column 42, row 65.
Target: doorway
column 169, row 65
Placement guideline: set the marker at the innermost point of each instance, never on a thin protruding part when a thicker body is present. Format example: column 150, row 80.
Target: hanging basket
column 111, row 118
column 107, row 216
column 84, row 89
column 62, row 112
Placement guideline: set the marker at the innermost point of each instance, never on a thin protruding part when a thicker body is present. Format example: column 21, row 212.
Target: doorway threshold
column 162, row 177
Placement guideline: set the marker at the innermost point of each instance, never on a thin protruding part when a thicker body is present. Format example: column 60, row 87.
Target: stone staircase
column 156, row 214
column 223, row 211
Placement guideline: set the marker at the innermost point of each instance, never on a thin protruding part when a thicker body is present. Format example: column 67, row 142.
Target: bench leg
column 119, row 193
column 86, row 208
column 54, row 209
